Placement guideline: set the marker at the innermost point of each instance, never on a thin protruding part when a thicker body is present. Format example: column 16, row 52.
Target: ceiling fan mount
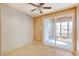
column 39, row 7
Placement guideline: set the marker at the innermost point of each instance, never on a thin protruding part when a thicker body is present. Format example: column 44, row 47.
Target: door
column 58, row 33
column 64, row 41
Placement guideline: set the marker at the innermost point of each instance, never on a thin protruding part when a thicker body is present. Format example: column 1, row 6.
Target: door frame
column 74, row 36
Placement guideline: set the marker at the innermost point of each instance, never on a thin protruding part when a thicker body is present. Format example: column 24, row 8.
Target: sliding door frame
column 67, row 11
column 74, row 33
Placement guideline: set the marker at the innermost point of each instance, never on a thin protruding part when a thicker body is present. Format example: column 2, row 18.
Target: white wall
column 16, row 28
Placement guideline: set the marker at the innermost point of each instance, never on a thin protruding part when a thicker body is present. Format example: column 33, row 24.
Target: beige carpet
column 38, row 50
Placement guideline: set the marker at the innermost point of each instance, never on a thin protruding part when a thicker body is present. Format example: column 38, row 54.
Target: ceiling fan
column 39, row 7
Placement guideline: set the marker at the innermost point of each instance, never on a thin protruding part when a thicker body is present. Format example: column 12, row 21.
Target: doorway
column 58, row 32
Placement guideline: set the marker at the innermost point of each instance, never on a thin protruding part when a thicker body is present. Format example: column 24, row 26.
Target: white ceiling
column 26, row 8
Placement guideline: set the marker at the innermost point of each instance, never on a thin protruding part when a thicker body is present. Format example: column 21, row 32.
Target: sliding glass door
column 58, row 33
column 49, row 32
column 64, row 34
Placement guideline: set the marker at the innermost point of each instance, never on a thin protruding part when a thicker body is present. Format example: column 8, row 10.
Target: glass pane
column 57, row 29
column 64, row 29
column 70, row 31
column 64, row 23
column 70, row 22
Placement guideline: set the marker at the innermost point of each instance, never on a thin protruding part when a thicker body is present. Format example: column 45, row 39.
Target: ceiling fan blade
column 40, row 11
column 41, row 4
column 33, row 10
column 46, row 7
column 33, row 4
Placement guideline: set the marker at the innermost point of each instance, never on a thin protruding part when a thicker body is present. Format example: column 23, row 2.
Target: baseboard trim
column 4, row 53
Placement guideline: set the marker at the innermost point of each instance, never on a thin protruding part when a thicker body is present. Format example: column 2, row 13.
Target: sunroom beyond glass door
column 64, row 34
